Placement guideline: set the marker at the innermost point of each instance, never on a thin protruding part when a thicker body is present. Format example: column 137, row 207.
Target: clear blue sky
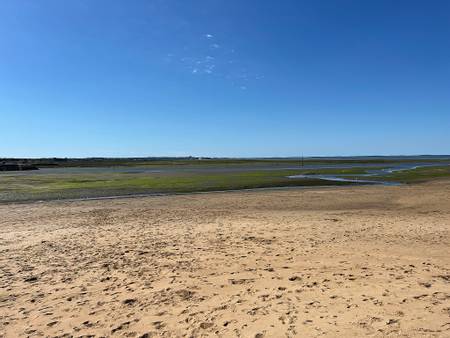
column 224, row 78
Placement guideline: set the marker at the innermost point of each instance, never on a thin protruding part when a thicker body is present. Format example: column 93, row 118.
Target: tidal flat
column 81, row 179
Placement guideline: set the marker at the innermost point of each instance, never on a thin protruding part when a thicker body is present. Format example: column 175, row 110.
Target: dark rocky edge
column 17, row 167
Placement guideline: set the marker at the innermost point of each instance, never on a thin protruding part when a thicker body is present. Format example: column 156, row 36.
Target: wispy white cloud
column 215, row 59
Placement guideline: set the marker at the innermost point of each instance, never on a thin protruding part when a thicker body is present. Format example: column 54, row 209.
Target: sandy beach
column 331, row 262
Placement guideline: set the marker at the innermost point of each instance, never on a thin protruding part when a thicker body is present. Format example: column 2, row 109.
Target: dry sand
column 328, row 262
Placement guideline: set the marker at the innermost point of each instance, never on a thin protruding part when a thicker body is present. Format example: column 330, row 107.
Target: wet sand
column 333, row 262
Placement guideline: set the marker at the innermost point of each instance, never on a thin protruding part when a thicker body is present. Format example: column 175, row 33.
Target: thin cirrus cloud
column 211, row 58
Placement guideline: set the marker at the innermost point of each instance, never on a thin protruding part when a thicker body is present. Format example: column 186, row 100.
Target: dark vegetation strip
column 196, row 161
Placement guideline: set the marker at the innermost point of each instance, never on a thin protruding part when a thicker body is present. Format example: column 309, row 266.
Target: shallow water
column 372, row 172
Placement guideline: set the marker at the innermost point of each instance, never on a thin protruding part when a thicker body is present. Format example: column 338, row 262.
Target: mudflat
column 347, row 262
